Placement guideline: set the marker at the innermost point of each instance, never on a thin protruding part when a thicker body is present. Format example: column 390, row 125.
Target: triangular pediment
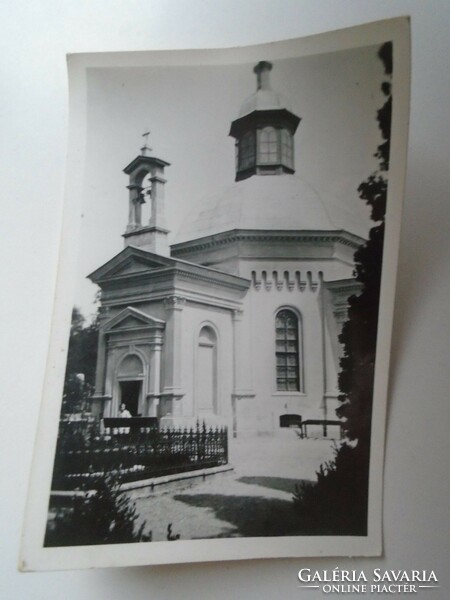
column 129, row 262
column 132, row 318
column 128, row 322
column 134, row 265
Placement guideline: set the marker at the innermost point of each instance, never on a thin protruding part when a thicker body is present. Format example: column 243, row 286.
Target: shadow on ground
column 251, row 516
column 282, row 484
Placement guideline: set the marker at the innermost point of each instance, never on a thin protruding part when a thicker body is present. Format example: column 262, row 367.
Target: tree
column 338, row 502
column 81, row 361
column 359, row 332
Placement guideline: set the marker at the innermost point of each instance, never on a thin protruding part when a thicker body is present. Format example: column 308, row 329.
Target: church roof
column 264, row 100
column 268, row 202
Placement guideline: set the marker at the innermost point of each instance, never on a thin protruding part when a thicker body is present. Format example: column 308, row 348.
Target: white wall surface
column 35, row 36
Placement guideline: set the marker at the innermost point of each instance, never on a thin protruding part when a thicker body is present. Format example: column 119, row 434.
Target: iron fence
column 138, row 454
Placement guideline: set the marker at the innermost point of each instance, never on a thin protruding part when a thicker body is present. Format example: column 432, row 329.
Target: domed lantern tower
column 264, row 131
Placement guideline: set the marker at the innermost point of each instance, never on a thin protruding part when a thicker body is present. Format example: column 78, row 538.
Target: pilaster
column 241, row 366
column 157, row 218
column 134, row 207
column 154, row 382
column 101, row 364
column 172, row 391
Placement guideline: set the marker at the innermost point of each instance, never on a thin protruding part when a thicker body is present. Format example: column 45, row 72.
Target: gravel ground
column 255, row 499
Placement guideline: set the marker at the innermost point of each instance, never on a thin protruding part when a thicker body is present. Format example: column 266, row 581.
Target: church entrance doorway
column 130, row 378
column 130, row 392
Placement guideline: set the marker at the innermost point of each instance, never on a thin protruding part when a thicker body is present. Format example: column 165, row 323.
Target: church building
column 236, row 323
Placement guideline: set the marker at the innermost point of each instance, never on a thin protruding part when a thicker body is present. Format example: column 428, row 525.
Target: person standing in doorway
column 124, row 413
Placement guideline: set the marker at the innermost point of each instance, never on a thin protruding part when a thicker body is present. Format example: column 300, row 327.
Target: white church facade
column 237, row 323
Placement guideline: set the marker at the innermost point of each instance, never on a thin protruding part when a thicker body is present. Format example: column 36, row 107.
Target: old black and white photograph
column 222, row 333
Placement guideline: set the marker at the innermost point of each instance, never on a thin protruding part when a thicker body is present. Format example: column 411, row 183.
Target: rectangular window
column 247, row 151
column 286, row 149
column 268, row 146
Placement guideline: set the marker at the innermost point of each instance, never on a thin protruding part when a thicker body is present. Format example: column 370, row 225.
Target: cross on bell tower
column 145, row 150
column 152, row 235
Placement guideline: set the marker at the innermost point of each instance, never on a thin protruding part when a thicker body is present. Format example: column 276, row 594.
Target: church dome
column 264, row 203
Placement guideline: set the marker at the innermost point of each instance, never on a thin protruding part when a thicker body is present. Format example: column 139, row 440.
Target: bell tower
column 264, row 130
column 151, row 236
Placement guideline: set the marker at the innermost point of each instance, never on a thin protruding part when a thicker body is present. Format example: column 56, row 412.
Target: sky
column 189, row 111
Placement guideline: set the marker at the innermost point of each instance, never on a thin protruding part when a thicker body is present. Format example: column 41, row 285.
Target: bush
column 101, row 515
column 337, row 503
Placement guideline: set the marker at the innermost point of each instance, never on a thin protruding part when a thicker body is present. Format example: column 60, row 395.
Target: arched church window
column 268, row 145
column 287, row 351
column 247, row 150
column 287, row 149
column 206, row 385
